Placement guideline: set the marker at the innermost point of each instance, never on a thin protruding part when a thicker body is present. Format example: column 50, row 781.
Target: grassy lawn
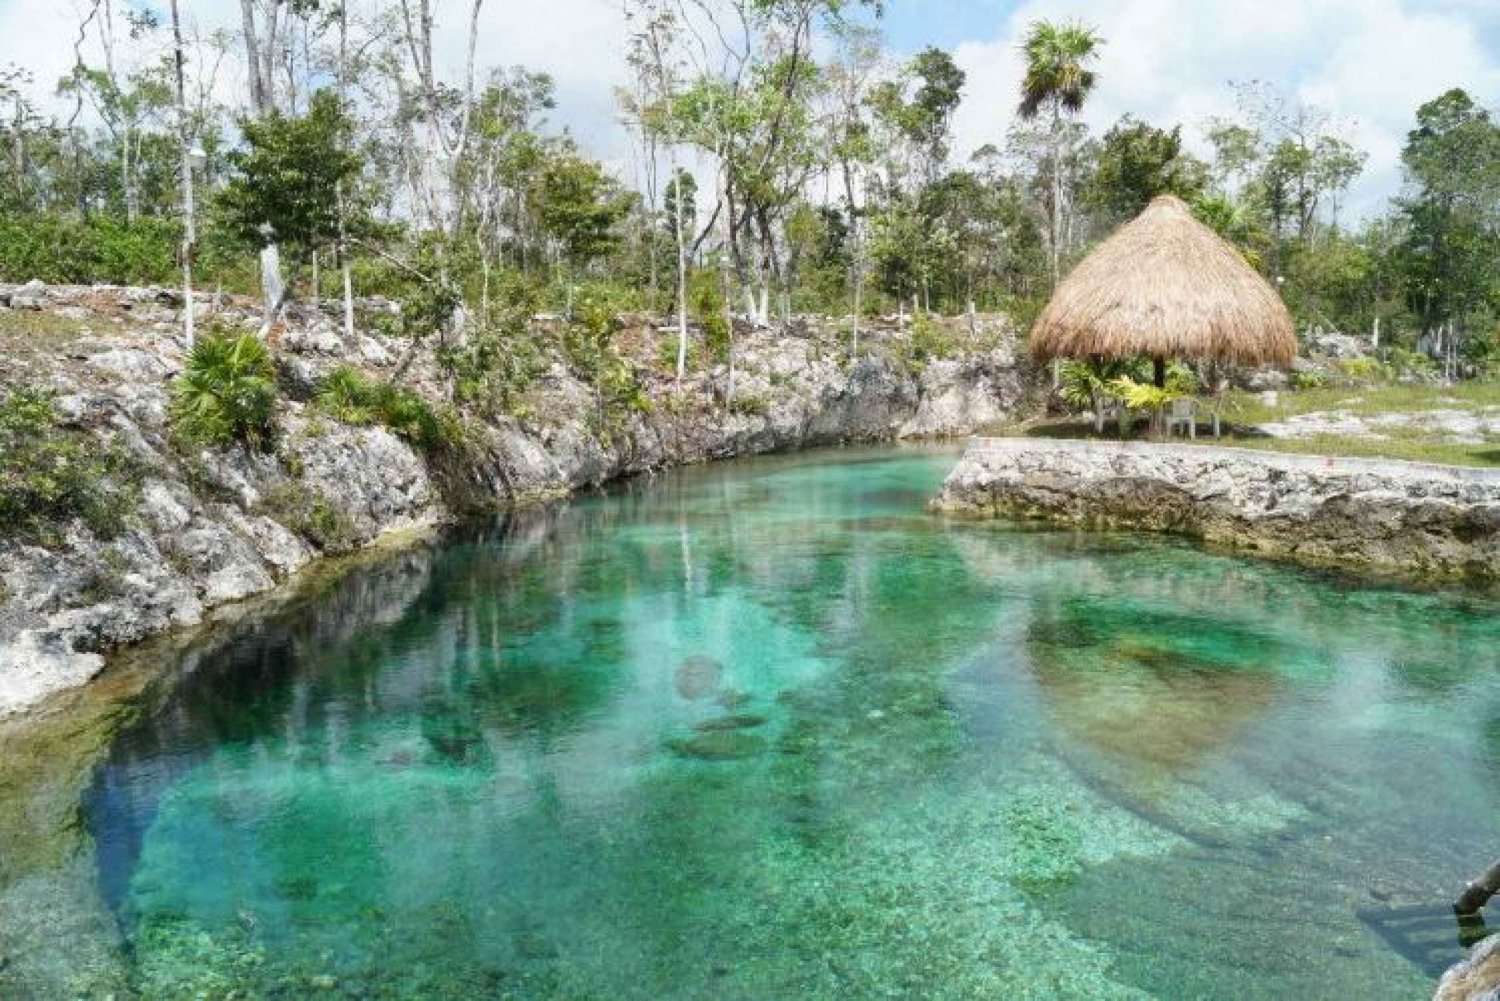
column 1364, row 401
column 1244, row 412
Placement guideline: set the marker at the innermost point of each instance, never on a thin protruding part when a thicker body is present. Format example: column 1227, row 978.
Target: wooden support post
column 1479, row 892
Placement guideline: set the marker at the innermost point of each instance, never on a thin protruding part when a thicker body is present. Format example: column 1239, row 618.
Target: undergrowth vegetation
column 929, row 342
column 51, row 473
column 226, row 394
column 589, row 349
column 349, row 395
column 311, row 515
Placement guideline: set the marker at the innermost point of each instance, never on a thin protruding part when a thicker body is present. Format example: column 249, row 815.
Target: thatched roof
column 1165, row 285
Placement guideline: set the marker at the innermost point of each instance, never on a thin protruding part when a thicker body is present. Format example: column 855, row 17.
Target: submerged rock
column 737, row 721
column 719, row 745
column 698, row 677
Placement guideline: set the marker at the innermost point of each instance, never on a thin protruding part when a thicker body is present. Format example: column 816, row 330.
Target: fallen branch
column 1479, row 892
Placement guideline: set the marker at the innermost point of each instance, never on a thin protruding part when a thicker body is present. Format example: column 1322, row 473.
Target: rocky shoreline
column 1403, row 519
column 214, row 526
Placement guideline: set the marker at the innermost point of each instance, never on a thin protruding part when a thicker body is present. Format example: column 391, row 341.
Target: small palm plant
column 226, row 393
column 350, row 396
column 1088, row 384
column 1152, row 399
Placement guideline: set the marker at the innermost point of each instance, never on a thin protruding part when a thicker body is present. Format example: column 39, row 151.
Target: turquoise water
column 771, row 730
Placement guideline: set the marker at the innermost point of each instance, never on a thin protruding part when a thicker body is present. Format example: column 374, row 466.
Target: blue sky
column 1369, row 62
column 944, row 23
column 916, row 23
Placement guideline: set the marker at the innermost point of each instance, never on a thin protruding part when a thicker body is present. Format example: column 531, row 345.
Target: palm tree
column 1057, row 79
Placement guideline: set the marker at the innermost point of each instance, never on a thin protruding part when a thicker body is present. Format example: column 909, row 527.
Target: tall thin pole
column 344, row 265
column 682, row 269
column 189, row 206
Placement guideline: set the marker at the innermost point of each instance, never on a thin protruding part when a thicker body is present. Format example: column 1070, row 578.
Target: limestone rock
column 1401, row 518
column 216, row 525
column 1476, row 978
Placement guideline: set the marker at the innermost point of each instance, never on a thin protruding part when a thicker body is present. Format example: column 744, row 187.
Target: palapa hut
column 1166, row 286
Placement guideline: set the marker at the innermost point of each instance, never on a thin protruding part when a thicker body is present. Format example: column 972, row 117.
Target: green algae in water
column 769, row 730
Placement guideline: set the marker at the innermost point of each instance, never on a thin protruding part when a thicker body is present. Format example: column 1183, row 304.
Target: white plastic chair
column 1185, row 413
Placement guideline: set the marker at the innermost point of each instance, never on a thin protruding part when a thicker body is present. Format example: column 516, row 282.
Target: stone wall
column 1401, row 518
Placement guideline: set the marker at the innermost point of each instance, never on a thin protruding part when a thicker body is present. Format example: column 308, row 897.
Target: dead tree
column 1478, row 893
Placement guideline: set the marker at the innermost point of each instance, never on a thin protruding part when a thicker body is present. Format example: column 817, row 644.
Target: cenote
column 770, row 729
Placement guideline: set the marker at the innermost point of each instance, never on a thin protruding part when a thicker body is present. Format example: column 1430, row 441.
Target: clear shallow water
column 770, row 730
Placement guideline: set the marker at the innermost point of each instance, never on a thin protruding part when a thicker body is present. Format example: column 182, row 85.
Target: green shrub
column 928, row 343
column 312, row 516
column 592, row 356
column 66, row 251
column 1404, row 362
column 226, row 393
column 1144, row 396
column 502, row 352
column 354, row 398
column 1309, row 379
column 666, row 354
column 106, row 249
column 751, row 404
column 1363, row 370
column 706, row 302
column 51, row 474
column 1084, row 383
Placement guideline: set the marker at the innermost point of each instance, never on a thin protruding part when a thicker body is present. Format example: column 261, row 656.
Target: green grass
column 1364, row 401
column 1243, row 412
column 1487, row 454
column 24, row 330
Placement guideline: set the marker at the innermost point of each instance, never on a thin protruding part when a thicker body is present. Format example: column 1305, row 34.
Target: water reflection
column 772, row 730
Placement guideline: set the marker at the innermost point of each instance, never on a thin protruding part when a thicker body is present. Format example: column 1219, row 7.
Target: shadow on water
column 1424, row 935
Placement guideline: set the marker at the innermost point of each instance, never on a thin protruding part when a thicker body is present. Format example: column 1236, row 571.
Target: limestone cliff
column 212, row 526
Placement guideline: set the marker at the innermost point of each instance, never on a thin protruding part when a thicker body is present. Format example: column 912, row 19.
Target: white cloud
column 580, row 42
column 1369, row 62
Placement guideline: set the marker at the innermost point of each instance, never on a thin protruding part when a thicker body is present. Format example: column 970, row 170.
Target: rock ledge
column 1401, row 518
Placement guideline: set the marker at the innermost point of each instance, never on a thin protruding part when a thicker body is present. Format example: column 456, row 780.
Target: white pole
column 189, row 207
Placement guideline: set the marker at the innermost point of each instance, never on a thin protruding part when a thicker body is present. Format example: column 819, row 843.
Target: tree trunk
column 189, row 208
column 856, row 263
column 272, row 288
column 1057, row 186
column 348, row 299
column 682, row 275
column 1159, row 372
column 1479, row 892
column 259, row 99
column 343, row 208
column 726, row 285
